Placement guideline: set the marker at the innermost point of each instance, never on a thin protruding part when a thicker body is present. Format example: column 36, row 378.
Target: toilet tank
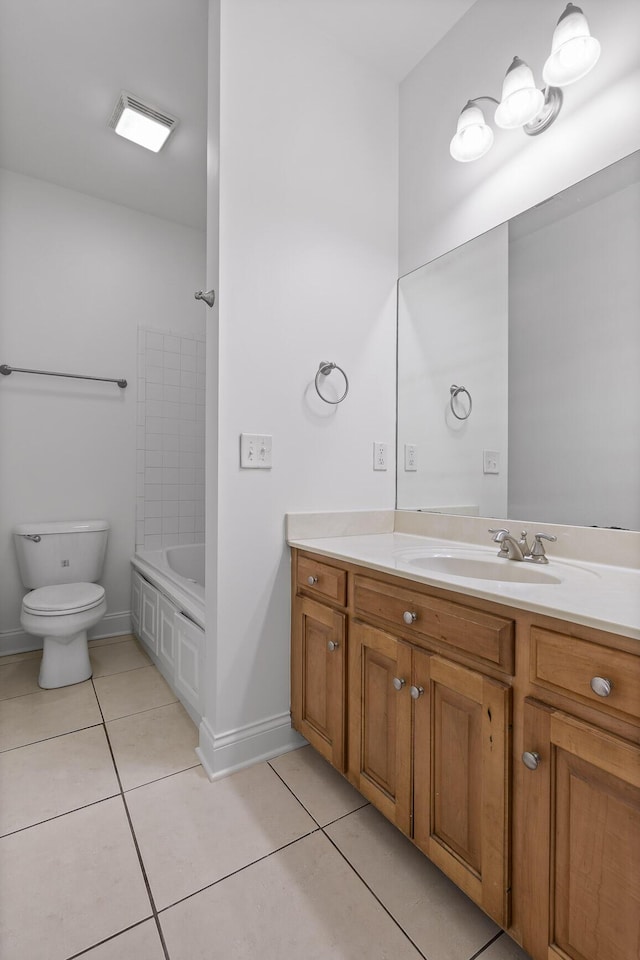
column 60, row 552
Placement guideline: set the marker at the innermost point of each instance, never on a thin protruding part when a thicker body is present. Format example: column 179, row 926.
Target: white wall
column 443, row 203
column 574, row 356
column 77, row 276
column 308, row 208
column 453, row 320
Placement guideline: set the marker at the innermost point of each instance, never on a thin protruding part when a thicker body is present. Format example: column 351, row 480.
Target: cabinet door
column 380, row 721
column 586, row 852
column 166, row 653
column 149, row 615
column 461, row 778
column 136, row 600
column 317, row 677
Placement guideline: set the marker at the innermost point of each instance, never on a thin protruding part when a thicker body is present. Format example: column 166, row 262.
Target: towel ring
column 324, row 370
column 454, row 391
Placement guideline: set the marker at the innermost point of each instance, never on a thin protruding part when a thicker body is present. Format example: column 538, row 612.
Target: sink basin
column 476, row 568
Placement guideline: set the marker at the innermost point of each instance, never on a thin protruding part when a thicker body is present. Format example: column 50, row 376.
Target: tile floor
column 114, row 844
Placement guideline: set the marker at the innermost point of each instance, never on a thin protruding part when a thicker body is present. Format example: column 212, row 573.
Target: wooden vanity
column 427, row 700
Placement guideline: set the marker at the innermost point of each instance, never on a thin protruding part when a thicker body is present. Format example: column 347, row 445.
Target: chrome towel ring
column 323, row 371
column 454, row 391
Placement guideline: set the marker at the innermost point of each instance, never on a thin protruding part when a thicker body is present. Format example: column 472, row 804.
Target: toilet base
column 65, row 660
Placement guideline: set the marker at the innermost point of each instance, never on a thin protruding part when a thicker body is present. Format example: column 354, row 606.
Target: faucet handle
column 537, row 550
column 498, row 531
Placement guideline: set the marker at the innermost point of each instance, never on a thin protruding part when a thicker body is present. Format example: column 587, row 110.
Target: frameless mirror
column 538, row 321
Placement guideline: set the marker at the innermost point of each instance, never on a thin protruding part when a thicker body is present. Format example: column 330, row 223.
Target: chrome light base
column 550, row 110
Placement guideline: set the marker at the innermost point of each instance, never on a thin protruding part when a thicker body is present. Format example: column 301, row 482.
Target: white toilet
column 60, row 562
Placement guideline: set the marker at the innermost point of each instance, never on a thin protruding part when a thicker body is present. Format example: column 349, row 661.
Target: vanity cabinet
column 505, row 744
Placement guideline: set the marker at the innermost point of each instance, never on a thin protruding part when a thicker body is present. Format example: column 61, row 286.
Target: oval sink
column 507, row 571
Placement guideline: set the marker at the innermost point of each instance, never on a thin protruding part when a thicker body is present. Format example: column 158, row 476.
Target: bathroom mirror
column 538, row 321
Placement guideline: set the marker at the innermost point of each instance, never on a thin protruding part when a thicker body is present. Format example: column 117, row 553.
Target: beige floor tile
column 140, row 943
column 303, row 902
column 439, row 918
column 321, row 790
column 117, row 658
column 19, row 678
column 52, row 777
column 153, row 744
column 504, row 948
column 48, row 713
column 17, row 657
column 193, row 832
column 69, row 883
column 106, row 641
column 122, row 694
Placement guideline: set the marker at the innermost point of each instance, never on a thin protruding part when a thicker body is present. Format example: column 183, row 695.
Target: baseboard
column 111, row 625
column 227, row 752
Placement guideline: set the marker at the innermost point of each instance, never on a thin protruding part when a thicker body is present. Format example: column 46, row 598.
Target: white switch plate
column 490, row 461
column 256, row 451
column 410, row 456
column 379, row 456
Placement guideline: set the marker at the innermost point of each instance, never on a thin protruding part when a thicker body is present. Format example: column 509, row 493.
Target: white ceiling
column 64, row 62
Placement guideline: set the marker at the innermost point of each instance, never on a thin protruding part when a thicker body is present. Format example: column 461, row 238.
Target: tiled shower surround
column 170, row 439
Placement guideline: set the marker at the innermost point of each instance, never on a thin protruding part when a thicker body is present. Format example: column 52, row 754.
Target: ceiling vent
column 141, row 123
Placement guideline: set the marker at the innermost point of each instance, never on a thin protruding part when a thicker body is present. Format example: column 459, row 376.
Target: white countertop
column 596, row 595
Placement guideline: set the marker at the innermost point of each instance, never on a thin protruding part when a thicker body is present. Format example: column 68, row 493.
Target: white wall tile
column 152, row 541
column 172, row 344
column 170, row 376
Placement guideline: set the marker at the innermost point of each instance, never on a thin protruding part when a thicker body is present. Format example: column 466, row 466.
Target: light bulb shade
column 473, row 137
column 574, row 52
column 521, row 100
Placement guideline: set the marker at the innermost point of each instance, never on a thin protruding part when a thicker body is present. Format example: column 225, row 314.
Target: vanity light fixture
column 141, row 123
column 574, row 52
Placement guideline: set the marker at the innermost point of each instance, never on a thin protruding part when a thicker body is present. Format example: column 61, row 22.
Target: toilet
column 59, row 563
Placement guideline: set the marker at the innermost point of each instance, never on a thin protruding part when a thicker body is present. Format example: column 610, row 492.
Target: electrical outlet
column 256, row 451
column 490, row 461
column 410, row 456
column 379, row 456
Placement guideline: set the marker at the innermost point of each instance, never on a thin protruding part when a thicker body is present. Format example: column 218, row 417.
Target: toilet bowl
column 61, row 615
column 59, row 563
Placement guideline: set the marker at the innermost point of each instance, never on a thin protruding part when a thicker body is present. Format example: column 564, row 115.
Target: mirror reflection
column 538, row 321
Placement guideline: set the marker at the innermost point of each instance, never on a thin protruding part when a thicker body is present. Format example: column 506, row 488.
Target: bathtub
column 178, row 573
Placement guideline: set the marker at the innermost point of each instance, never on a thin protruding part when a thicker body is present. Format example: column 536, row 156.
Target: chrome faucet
column 512, row 549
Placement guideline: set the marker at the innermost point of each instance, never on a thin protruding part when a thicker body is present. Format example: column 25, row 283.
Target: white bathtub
column 178, row 572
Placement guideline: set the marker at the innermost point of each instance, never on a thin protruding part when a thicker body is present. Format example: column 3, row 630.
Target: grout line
column 165, row 776
column 345, row 815
column 134, row 838
column 57, row 816
column 284, row 782
column 242, row 868
column 376, row 897
column 55, row 736
column 497, row 936
column 93, row 946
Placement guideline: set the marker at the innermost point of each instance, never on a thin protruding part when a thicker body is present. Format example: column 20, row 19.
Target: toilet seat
column 63, row 599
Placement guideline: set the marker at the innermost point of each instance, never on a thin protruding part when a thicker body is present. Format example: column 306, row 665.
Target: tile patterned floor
column 114, row 844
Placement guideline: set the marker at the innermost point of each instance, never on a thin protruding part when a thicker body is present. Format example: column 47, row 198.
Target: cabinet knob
column 601, row 686
column 398, row 683
column 531, row 759
column 416, row 692
column 409, row 617
column 312, row 580
column 333, row 645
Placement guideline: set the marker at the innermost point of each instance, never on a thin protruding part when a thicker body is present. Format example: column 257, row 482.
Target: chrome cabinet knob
column 409, row 617
column 398, row 683
column 601, row 686
column 416, row 692
column 531, row 759
column 312, row 580
column 333, row 645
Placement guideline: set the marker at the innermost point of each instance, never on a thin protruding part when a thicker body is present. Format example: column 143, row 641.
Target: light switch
column 256, row 451
column 490, row 461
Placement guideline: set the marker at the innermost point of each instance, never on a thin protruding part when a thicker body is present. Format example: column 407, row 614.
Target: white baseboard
column 111, row 625
column 225, row 753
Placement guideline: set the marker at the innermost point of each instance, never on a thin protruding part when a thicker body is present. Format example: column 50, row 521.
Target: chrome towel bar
column 6, row 370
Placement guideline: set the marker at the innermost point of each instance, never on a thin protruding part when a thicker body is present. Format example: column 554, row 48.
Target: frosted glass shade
column 574, row 52
column 143, row 130
column 521, row 100
column 473, row 138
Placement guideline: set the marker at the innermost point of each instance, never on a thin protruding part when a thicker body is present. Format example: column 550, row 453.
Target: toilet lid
column 63, row 598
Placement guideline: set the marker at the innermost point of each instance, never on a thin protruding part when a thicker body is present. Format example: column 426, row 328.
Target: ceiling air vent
column 141, row 123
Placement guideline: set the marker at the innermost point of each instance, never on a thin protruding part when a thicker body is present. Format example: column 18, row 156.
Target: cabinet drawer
column 321, row 580
column 484, row 636
column 569, row 664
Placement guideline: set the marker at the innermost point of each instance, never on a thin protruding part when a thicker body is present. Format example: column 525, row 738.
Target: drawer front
column 321, row 580
column 569, row 665
column 483, row 636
